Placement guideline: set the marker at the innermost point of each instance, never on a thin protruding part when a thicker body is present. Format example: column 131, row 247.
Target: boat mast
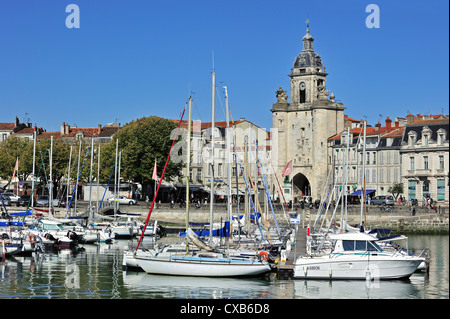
column 78, row 176
column 90, row 178
column 68, row 178
column 188, row 170
column 115, row 180
column 213, row 124
column 363, row 179
column 98, row 174
column 50, row 185
column 34, row 176
column 228, row 159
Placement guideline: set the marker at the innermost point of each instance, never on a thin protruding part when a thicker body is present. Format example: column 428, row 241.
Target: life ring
column 32, row 238
column 264, row 255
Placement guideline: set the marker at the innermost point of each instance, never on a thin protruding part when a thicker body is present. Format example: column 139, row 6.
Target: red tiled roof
column 7, row 126
column 346, row 117
column 433, row 121
column 48, row 134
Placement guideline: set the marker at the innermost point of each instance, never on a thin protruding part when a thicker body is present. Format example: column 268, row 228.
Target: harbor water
column 95, row 272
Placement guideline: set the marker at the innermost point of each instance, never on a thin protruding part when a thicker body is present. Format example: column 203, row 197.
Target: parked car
column 24, row 200
column 5, row 200
column 123, row 200
column 42, row 200
column 382, row 200
column 62, row 201
column 14, row 198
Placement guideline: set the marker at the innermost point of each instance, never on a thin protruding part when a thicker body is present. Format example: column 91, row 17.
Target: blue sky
column 138, row 58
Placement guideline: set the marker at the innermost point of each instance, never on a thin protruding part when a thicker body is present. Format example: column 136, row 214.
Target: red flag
column 16, row 168
column 155, row 175
column 288, row 169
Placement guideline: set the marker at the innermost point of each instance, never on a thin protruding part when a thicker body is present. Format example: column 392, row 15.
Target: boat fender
column 32, row 238
column 264, row 255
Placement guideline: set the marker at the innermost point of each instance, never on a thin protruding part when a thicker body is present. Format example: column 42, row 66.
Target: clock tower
column 302, row 126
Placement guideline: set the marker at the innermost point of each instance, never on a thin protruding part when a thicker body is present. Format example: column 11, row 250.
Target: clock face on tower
column 302, row 86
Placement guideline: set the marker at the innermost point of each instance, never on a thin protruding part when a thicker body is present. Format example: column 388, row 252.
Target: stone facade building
column 302, row 126
column 414, row 153
column 425, row 159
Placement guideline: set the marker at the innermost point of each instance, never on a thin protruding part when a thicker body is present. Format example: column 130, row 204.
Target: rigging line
column 160, row 179
column 78, row 178
column 106, row 188
column 194, row 103
column 259, row 164
column 220, row 100
column 253, row 205
column 32, row 191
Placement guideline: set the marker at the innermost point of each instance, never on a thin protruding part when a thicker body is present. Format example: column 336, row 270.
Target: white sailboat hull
column 356, row 267
column 181, row 266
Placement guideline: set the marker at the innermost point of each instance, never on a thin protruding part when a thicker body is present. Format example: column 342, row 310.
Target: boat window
column 51, row 227
column 361, row 245
column 373, row 247
column 348, row 244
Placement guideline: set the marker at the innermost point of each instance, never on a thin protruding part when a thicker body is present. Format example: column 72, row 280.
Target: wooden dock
column 286, row 268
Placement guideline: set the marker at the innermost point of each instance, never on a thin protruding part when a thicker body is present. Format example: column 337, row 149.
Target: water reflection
column 95, row 271
column 196, row 287
column 355, row 289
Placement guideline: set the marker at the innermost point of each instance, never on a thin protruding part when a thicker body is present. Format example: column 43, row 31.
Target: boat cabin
column 355, row 242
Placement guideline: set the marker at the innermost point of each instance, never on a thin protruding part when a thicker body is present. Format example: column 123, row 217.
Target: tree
column 11, row 149
column 396, row 189
column 141, row 142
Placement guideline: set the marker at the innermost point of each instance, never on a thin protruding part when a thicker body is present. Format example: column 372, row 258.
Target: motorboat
column 87, row 235
column 52, row 233
column 356, row 256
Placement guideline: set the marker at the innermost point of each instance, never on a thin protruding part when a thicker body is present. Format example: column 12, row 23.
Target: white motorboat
column 356, row 256
column 51, row 231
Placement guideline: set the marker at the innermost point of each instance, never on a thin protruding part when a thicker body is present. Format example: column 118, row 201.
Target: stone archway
column 301, row 185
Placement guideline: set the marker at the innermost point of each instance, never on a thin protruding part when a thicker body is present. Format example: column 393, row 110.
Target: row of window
column 426, row 162
column 413, row 194
column 426, row 136
column 387, row 157
column 384, row 174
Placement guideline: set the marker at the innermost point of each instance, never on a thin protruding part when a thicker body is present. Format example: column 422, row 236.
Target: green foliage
column 396, row 189
column 141, row 142
column 11, row 149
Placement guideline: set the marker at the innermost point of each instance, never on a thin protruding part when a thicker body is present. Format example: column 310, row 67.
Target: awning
column 358, row 192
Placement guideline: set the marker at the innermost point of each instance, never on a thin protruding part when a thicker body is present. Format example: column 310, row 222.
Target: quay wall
column 398, row 218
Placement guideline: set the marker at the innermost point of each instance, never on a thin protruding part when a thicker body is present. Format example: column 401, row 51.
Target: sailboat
column 206, row 261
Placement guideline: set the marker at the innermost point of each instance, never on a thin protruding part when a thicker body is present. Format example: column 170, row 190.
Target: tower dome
column 308, row 58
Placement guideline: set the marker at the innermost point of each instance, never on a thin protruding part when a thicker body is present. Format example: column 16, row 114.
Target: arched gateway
column 302, row 126
column 301, row 186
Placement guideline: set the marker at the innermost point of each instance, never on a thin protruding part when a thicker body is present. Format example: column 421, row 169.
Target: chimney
column 397, row 124
column 99, row 128
column 409, row 118
column 377, row 126
column 388, row 124
column 16, row 122
column 62, row 130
